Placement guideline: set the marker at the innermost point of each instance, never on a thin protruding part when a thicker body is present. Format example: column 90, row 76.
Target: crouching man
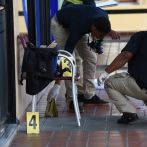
column 133, row 83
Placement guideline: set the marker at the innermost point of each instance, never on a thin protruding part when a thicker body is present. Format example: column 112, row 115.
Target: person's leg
column 117, row 87
column 69, row 96
column 120, row 85
column 60, row 35
column 79, row 70
column 89, row 67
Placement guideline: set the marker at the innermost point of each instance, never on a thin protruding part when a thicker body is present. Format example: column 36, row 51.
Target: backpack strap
column 21, row 79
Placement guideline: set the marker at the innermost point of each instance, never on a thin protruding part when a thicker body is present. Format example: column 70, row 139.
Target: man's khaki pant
column 89, row 58
column 120, row 85
column 79, row 70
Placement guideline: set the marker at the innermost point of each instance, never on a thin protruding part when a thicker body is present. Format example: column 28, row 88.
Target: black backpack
column 38, row 65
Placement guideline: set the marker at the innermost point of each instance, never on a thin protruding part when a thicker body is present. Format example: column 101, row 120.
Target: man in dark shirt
column 69, row 27
column 79, row 19
column 79, row 67
column 133, row 83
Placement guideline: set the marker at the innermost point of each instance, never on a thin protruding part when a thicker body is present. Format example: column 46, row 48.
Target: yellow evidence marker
column 32, row 122
column 51, row 109
column 66, row 63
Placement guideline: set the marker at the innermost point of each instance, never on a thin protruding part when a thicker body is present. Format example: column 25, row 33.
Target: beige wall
column 142, row 2
column 119, row 22
column 22, row 25
column 129, row 22
column 22, row 99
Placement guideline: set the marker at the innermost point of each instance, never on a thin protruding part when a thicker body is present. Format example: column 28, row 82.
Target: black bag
column 38, row 65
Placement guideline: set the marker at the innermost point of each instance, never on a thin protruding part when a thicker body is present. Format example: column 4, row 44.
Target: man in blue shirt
column 79, row 61
column 79, row 69
column 68, row 27
column 80, row 19
column 133, row 83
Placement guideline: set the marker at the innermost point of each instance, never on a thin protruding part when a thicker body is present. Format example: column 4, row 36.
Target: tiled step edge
column 8, row 135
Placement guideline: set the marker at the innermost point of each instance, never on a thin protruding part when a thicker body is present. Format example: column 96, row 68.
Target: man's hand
column 53, row 93
column 102, row 78
column 114, row 35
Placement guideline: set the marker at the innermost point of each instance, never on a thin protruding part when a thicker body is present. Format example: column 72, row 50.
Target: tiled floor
column 98, row 123
column 82, row 139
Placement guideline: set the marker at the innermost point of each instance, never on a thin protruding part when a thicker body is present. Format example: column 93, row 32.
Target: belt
column 141, row 85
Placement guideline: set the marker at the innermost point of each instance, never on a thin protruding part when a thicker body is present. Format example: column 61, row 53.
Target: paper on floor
column 105, row 3
column 142, row 107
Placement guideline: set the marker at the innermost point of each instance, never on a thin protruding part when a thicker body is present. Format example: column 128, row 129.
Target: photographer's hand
column 114, row 35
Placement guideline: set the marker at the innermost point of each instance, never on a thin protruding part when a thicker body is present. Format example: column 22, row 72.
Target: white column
column 60, row 4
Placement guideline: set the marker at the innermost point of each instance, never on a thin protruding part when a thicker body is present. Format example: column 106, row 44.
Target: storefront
column 7, row 72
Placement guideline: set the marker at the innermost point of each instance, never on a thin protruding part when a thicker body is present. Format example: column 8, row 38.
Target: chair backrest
column 24, row 40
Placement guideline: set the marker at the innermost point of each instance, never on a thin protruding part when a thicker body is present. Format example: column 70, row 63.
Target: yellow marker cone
column 49, row 108
column 55, row 110
column 32, row 122
column 66, row 63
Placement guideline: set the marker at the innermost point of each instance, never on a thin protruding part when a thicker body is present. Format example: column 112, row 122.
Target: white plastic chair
column 74, row 78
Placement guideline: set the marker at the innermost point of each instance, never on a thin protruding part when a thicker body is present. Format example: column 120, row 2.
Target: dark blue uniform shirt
column 78, row 18
column 137, row 65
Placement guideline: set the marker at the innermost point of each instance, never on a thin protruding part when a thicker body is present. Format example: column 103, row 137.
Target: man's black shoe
column 72, row 109
column 128, row 118
column 94, row 101
column 80, row 97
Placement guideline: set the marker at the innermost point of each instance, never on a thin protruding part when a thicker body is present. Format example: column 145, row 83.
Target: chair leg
column 76, row 111
column 73, row 88
column 75, row 103
column 33, row 103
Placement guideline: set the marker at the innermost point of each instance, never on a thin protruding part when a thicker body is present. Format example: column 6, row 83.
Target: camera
column 97, row 46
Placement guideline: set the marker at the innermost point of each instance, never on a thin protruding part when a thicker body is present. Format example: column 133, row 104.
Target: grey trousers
column 89, row 58
column 121, row 85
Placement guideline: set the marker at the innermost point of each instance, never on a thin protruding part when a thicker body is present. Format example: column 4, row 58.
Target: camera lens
column 97, row 46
